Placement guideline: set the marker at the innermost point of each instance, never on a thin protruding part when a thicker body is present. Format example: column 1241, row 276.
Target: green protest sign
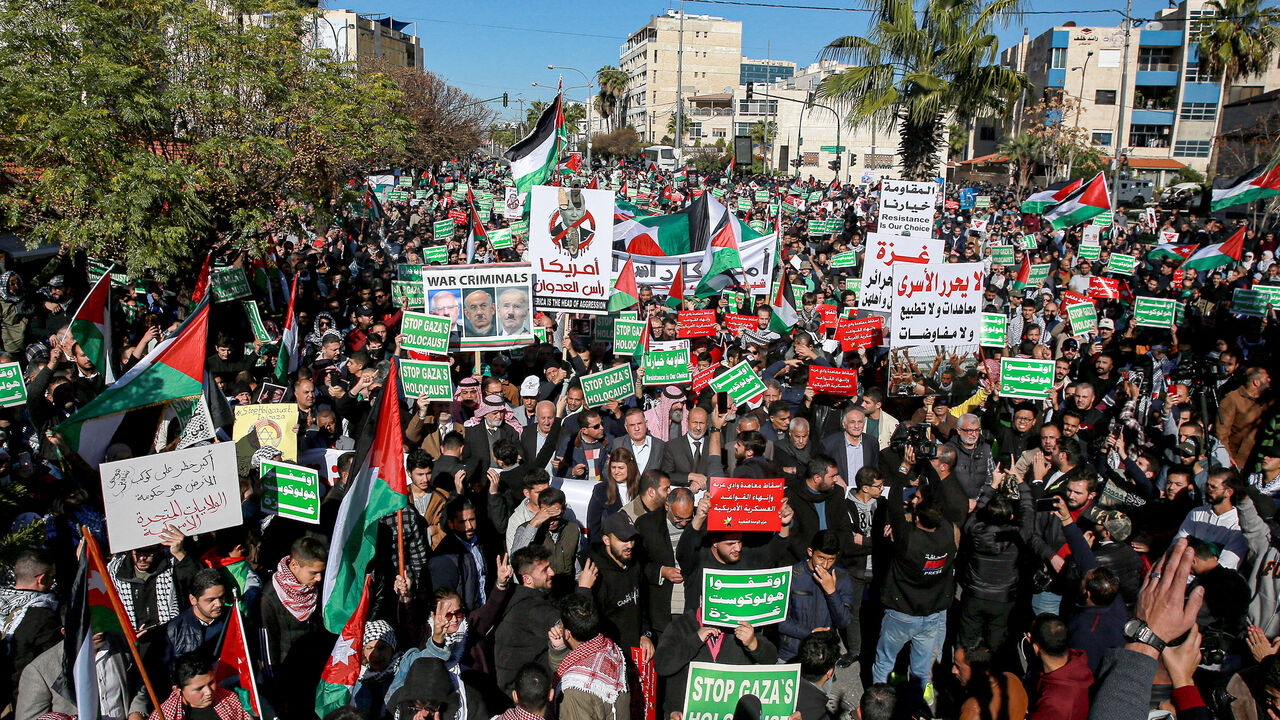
column 419, row 194
column 1272, row 292
column 797, row 294
column 540, row 334
column 854, row 284
column 520, row 228
column 1121, row 264
column 409, row 273
column 255, row 321
column 757, row 225
column 406, row 181
column 1038, row 273
column 435, row 254
column 1001, row 254
column 815, row 196
column 717, row 193
column 713, row 690
column 993, row 330
column 398, row 195
column 1025, row 379
column 1104, row 219
column 631, row 191
column 426, row 378
column 291, row 491
column 762, row 196
column 485, row 215
column 1083, row 317
column 982, row 201
column 666, row 367
column 846, row 259
column 744, row 204
column 229, row 283
column 443, row 230
column 1154, row 312
column 755, row 597
column 96, row 268
column 427, row 333
column 612, row 384
column 501, row 238
column 408, row 294
column 626, row 337
column 1248, row 302
column 1090, row 252
column 741, row 382
column 13, row 390
column 1029, row 241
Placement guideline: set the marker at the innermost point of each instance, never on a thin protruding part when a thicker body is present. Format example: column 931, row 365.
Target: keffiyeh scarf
column 299, row 600
column 597, row 667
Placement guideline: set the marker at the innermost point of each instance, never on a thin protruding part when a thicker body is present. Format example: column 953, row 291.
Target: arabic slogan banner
column 714, row 690
column 884, row 252
column 745, row 504
column 255, row 321
column 626, row 337
column 1090, row 251
column 426, row 378
column 855, row 334
column 658, row 271
column 259, row 426
column 1025, row 379
column 1083, row 317
column 291, row 491
column 695, row 323
column 666, row 367
column 741, row 382
column 755, row 597
column 1248, row 302
column 13, row 390
column 1155, row 312
column 571, row 235
column 702, row 378
column 906, row 208
column 1121, row 264
column 196, row 490
column 993, row 330
column 606, row 385
column 938, row 304
column 229, row 283
column 489, row 303
column 737, row 322
column 426, row 333
column 833, row 381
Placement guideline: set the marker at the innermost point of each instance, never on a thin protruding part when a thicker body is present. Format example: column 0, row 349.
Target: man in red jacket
column 1062, row 688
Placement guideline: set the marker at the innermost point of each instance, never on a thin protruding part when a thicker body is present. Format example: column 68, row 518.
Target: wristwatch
column 1137, row 631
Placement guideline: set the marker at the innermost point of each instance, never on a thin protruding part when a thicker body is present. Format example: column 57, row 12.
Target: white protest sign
column 571, row 244
column 196, row 490
column 883, row 253
column 938, row 304
column 906, row 208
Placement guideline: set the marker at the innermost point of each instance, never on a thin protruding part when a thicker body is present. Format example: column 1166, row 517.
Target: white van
column 664, row 156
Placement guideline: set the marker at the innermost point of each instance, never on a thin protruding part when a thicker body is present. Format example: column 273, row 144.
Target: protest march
column 737, row 446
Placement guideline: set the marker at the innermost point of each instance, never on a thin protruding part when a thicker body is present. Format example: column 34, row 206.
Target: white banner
column 570, row 237
column 937, row 304
column 906, row 208
column 883, row 253
column 489, row 304
column 195, row 490
column 757, row 264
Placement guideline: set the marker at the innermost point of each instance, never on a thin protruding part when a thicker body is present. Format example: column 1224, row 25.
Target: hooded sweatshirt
column 1064, row 693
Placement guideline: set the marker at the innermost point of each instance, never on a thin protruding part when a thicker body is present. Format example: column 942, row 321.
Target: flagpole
column 124, row 617
column 400, row 539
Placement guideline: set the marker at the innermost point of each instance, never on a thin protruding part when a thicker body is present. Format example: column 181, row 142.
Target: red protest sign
column 737, row 322
column 696, row 323
column 458, row 217
column 1177, row 278
column 864, row 333
column 745, row 504
column 951, row 205
column 833, row 381
column 1104, row 288
column 1074, row 298
column 828, row 316
column 702, row 378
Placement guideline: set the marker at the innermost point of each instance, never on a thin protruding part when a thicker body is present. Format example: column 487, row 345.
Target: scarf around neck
column 596, row 667
column 299, row 600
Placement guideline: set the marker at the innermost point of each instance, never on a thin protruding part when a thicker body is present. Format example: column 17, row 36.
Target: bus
column 664, row 156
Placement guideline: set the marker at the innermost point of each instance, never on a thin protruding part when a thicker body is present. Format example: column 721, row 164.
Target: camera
column 915, row 437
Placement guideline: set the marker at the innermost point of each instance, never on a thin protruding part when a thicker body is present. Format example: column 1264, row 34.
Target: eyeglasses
column 597, row 426
column 455, row 614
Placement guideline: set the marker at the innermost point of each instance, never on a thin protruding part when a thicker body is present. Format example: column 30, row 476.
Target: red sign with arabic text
column 696, row 323
column 828, row 316
column 458, row 217
column 737, row 322
column 864, row 333
column 1105, row 288
column 702, row 378
column 745, row 504
column 1074, row 298
column 833, row 381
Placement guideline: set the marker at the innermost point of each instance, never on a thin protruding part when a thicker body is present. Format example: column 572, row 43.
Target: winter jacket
column 187, row 634
column 1064, row 693
column 991, row 572
column 1264, row 579
column 973, row 467
column 811, row 607
column 621, row 597
column 680, row 645
column 806, row 523
column 521, row 636
column 1126, row 563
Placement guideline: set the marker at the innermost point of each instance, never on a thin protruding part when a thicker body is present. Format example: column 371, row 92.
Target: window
column 1157, row 59
column 1193, row 73
column 1199, row 20
column 1149, row 136
column 1199, row 111
column 1243, row 92
column 1191, row 148
column 742, row 129
column 1101, row 137
column 694, row 129
column 757, row 107
column 987, row 133
column 1058, row 58
column 1104, row 97
column 718, row 132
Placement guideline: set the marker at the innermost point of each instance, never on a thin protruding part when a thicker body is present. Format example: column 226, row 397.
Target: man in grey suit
column 688, row 459
column 648, row 449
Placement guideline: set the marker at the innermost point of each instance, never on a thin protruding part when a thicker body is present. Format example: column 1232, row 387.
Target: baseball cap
column 529, row 388
column 1070, row 344
column 619, row 526
column 57, row 281
column 1106, row 323
column 1116, row 523
column 365, row 309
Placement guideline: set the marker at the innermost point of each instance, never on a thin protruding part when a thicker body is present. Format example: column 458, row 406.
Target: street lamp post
column 589, row 103
column 1084, row 70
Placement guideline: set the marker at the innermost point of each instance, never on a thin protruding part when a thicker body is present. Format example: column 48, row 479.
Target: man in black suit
column 647, row 449
column 688, row 459
column 444, row 473
column 493, row 426
column 660, row 534
column 541, row 437
column 851, row 449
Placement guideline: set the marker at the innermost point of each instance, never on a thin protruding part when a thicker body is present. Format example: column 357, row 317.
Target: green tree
column 145, row 127
column 1023, row 151
column 611, row 98
column 957, row 141
column 921, row 67
column 573, row 114
column 623, row 142
column 763, row 134
column 536, row 108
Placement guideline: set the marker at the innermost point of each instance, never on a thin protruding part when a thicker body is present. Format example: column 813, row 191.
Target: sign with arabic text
column 1090, row 251
column 291, row 491
column 1025, row 378
column 255, row 321
column 443, row 230
column 571, row 245
column 936, row 304
column 906, row 208
column 608, row 385
column 993, row 330
column 741, row 382
column 737, row 322
column 883, row 254
column 1155, row 312
column 626, row 337
column 1083, row 317
column 695, row 323
column 1121, row 264
column 666, row 367
column 713, row 690
column 858, row 334
column 13, row 389
column 833, row 381
column 755, row 597
column 745, row 504
column 1248, row 302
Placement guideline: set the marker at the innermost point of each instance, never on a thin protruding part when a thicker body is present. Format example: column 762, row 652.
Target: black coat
column 476, row 448
column 529, row 454
column 521, row 636
column 677, row 461
column 680, row 645
column 833, row 445
column 656, row 553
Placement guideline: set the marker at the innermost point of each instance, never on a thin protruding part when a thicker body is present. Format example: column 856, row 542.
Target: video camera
column 915, row 437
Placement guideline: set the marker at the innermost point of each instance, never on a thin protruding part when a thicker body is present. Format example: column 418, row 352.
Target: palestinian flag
column 1024, row 273
column 91, row 326
column 376, row 489
column 474, row 232
column 1172, row 251
column 625, row 292
column 533, row 159
column 723, row 232
column 728, row 171
column 287, row 357
column 682, row 175
column 672, row 234
column 202, row 281
column 834, row 187
column 784, row 308
column 340, row 674
column 233, row 662
column 1217, row 254
column 1050, row 196
column 1257, row 184
column 174, row 370
column 675, row 293
column 594, row 184
column 79, row 664
column 1084, row 203
column 372, row 209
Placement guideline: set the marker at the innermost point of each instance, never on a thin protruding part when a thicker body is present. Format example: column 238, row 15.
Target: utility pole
column 1084, row 70
column 680, row 83
column 1118, row 142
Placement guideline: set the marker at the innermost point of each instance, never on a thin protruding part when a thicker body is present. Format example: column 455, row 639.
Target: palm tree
column 923, row 68
column 1237, row 42
column 573, row 114
column 535, row 111
column 613, row 88
column 1023, row 150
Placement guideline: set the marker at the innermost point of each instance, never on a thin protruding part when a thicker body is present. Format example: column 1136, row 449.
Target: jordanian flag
column 533, row 159
column 233, row 663
column 1086, row 202
column 1050, row 196
column 625, row 292
column 1217, row 254
column 1257, row 184
column 174, row 370
column 1172, row 251
column 723, row 232
column 106, row 613
column 784, row 308
column 340, row 674
column 377, row 489
column 91, row 326
column 287, row 357
column 682, row 175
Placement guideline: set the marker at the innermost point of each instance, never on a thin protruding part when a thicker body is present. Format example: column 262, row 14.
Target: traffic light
column 834, row 164
column 796, row 162
column 749, row 91
column 504, row 100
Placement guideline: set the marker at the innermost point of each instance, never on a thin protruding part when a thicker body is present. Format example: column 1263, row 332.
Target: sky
column 487, row 47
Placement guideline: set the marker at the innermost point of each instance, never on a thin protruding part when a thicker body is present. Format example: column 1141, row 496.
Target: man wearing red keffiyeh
column 297, row 645
column 591, row 674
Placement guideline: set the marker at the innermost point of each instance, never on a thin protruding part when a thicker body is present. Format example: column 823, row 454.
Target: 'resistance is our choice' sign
column 745, row 504
column 491, row 305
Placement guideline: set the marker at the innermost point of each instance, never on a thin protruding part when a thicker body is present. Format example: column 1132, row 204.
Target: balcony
column 1160, row 38
column 1157, row 78
column 1152, row 117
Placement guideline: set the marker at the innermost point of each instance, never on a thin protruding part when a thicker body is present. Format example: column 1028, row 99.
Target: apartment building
column 357, row 37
